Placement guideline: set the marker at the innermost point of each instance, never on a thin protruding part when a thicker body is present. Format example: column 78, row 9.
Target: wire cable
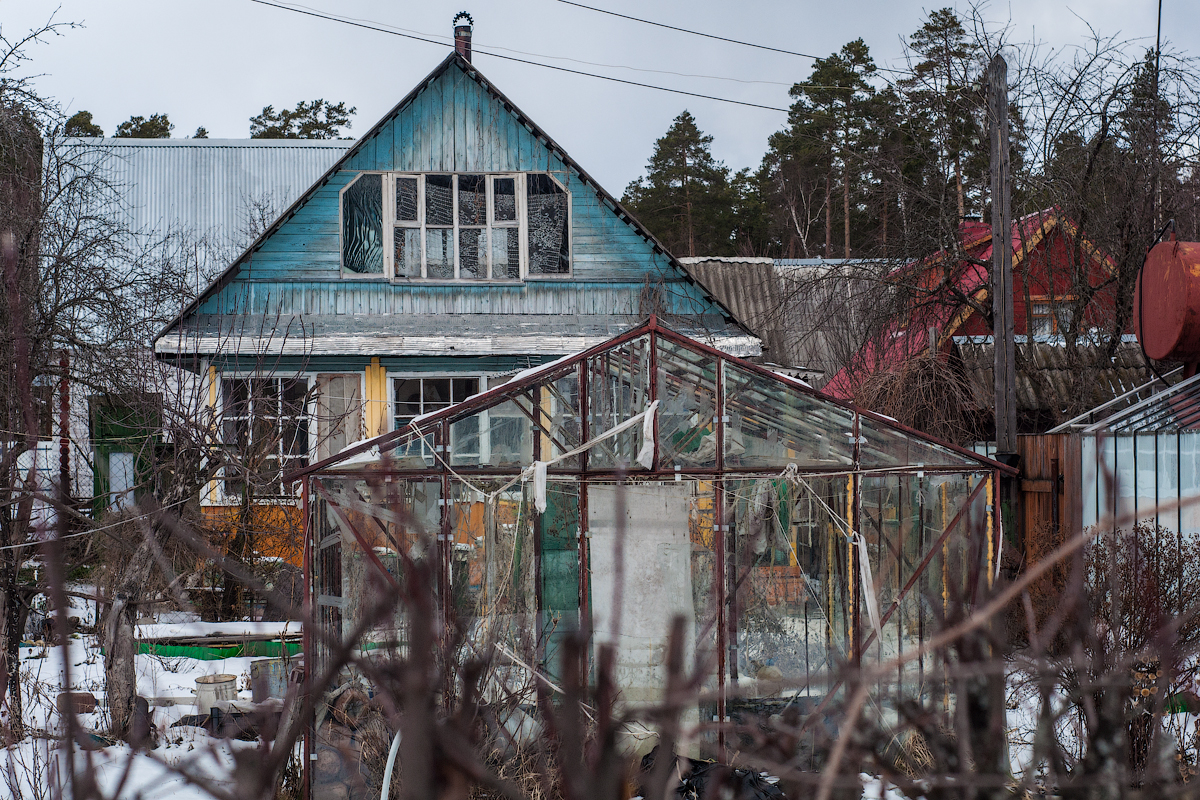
column 707, row 35
column 685, row 30
column 89, row 531
column 379, row 29
column 477, row 44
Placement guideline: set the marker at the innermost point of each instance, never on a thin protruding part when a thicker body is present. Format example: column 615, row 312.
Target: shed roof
column 210, row 188
column 1053, row 380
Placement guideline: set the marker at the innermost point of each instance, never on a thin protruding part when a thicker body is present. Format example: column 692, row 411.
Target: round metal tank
column 1166, row 304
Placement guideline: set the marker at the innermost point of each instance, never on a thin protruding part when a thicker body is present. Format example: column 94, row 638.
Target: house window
column 1049, row 318
column 415, row 396
column 455, row 227
column 264, row 423
column 121, row 480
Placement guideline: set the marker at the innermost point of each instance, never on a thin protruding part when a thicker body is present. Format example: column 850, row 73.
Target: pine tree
column 947, row 86
column 80, row 124
column 157, row 127
column 318, row 119
column 685, row 198
column 824, row 146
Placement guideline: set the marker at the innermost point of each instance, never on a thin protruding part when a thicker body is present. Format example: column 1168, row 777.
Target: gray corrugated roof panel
column 215, row 189
column 752, row 291
column 1052, row 378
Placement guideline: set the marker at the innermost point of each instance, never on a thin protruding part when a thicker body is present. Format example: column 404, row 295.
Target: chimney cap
column 462, row 35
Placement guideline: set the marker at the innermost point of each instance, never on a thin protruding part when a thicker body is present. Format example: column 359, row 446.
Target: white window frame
column 391, row 225
column 490, row 223
column 220, row 497
column 394, row 377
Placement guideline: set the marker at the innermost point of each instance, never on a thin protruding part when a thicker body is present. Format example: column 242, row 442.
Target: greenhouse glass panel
column 560, row 418
column 368, row 531
column 618, row 388
column 768, row 551
column 499, row 436
column 883, row 445
column 789, row 557
column 687, row 395
column 771, row 424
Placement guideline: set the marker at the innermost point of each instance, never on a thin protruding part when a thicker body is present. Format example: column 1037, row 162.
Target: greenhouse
column 650, row 478
column 1140, row 457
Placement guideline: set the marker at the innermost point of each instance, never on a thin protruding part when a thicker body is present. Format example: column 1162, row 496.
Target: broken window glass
column 472, row 200
column 439, row 253
column 505, row 200
column 406, row 199
column 439, row 200
column 408, row 252
column 362, row 225
column 549, row 249
column 472, row 244
column 506, row 254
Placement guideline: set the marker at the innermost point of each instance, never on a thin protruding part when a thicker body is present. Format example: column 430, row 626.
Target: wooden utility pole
column 1002, row 278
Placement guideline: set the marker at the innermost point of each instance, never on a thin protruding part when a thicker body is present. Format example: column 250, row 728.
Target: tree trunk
column 828, row 218
column 119, row 652
column 10, row 642
column 846, row 211
column 883, row 233
column 962, row 209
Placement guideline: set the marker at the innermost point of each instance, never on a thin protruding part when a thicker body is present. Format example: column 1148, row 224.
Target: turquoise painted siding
column 452, row 126
column 377, row 297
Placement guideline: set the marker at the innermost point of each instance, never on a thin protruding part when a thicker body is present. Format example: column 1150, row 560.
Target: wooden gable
column 286, row 295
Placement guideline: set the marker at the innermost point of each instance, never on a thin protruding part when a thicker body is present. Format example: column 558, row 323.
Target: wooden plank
column 437, row 125
column 462, row 146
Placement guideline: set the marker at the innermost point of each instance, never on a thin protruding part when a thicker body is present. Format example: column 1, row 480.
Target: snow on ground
column 27, row 769
column 180, row 630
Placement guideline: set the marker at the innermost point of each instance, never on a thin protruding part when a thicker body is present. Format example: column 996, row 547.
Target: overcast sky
column 216, row 63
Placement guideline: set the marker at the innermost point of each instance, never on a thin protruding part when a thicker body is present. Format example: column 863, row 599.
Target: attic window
column 456, row 227
column 362, row 225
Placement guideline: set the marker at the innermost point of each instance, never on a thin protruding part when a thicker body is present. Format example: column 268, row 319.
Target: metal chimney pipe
column 462, row 35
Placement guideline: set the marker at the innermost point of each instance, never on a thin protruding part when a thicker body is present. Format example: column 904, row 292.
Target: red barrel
column 1166, row 304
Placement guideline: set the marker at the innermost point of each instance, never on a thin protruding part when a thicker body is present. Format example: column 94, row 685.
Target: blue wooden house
column 452, row 245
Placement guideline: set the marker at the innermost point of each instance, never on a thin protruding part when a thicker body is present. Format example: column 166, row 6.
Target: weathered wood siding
column 1049, row 486
column 454, row 125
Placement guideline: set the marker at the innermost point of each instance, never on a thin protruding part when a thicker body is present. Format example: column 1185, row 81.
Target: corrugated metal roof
column 212, row 188
column 1050, row 378
column 751, row 289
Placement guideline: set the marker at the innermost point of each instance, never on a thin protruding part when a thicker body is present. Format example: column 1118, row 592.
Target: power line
column 520, row 60
column 486, row 47
column 685, row 30
column 708, row 35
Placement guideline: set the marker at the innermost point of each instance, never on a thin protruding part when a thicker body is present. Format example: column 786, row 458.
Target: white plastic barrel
column 211, row 689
